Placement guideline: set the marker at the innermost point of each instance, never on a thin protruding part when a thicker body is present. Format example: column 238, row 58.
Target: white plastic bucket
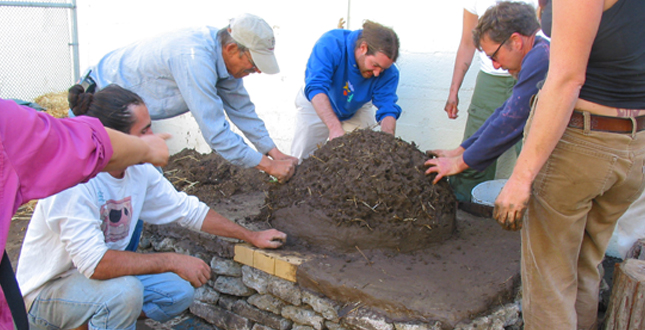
column 486, row 192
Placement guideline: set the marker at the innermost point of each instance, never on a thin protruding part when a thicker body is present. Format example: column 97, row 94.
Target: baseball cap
column 255, row 34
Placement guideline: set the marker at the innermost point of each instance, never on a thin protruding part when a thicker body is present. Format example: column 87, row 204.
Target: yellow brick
column 285, row 270
column 244, row 254
column 264, row 262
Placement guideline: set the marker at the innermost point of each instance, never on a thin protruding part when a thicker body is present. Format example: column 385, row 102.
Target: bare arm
column 326, row 113
column 464, row 58
column 196, row 271
column 574, row 29
column 132, row 150
column 216, row 224
column 388, row 125
column 123, row 263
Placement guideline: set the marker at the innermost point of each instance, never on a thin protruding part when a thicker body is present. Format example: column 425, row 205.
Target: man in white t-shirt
column 73, row 268
column 493, row 87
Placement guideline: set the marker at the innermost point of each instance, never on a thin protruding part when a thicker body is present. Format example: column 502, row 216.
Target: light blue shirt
column 184, row 71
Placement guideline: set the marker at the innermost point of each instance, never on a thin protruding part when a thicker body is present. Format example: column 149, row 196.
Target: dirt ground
column 412, row 255
column 374, row 229
column 471, row 268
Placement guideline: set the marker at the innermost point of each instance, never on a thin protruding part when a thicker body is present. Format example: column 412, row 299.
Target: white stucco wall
column 429, row 36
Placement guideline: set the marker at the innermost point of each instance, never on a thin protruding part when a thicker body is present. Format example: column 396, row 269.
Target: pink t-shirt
column 40, row 156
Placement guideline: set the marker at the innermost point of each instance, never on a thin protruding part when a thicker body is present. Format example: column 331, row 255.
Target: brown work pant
column 588, row 182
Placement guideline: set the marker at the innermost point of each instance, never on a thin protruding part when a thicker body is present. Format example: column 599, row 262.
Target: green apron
column 490, row 93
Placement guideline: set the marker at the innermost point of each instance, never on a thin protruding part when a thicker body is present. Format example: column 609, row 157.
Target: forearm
column 125, row 263
column 131, row 150
column 388, row 125
column 570, row 48
column 325, row 112
column 462, row 64
column 216, row 224
column 465, row 52
column 128, row 150
column 550, row 119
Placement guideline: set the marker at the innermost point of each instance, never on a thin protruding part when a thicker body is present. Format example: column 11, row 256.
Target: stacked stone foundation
column 255, row 289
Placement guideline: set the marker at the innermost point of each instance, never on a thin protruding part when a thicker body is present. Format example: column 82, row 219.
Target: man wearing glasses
column 200, row 70
column 507, row 34
column 348, row 74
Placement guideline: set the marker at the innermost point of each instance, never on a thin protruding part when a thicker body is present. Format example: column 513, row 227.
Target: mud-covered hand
column 445, row 166
column 275, row 153
column 268, row 239
column 451, row 106
column 281, row 169
column 511, row 204
column 191, row 269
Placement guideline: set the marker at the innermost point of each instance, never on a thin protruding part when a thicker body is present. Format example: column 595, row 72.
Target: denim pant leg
column 165, row 295
column 74, row 300
column 136, row 236
column 589, row 180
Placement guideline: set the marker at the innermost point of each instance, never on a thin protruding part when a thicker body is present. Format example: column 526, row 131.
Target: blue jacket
column 184, row 71
column 332, row 70
column 505, row 126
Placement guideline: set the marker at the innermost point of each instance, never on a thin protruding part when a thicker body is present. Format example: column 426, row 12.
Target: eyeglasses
column 492, row 57
column 254, row 69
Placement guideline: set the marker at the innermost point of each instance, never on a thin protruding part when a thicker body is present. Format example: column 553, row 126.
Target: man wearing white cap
column 200, row 70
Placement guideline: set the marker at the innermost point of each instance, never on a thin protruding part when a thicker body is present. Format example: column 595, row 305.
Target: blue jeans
column 136, row 236
column 117, row 303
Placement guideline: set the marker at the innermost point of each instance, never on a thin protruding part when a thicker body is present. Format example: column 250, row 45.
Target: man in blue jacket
column 348, row 73
column 507, row 32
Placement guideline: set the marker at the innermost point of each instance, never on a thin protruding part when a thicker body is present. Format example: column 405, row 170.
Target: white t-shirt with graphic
column 74, row 228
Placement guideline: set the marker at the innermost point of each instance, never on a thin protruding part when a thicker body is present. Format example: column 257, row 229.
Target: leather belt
column 607, row 124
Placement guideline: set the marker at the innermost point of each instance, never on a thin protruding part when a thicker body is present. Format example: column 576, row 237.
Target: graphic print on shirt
column 115, row 219
column 348, row 91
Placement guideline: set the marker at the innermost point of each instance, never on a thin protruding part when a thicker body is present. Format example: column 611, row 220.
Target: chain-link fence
column 38, row 45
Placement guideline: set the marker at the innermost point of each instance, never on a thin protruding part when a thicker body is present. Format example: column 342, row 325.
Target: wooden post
column 637, row 251
column 626, row 309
